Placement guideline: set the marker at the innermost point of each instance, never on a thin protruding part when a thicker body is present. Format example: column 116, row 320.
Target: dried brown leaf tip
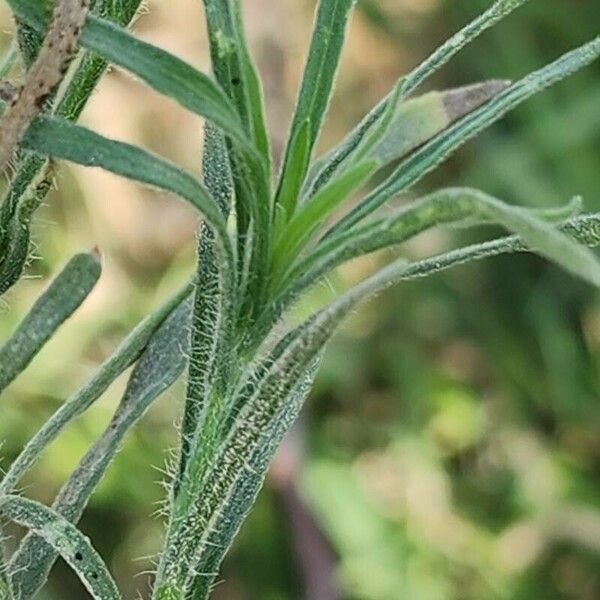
column 44, row 75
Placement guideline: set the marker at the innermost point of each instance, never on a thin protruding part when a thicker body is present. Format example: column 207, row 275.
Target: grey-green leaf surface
column 31, row 172
column 324, row 168
column 584, row 230
column 207, row 562
column 237, row 75
column 214, row 501
column 63, row 296
column 235, row 70
column 123, row 357
column 329, row 33
column 15, row 237
column 161, row 363
column 443, row 145
column 210, row 332
column 64, row 537
column 417, row 121
column 445, row 206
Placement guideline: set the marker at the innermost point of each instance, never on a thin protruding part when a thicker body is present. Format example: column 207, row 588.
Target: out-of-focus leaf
column 122, row 358
column 64, row 295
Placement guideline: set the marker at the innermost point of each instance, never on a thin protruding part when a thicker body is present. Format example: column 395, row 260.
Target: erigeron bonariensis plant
column 266, row 237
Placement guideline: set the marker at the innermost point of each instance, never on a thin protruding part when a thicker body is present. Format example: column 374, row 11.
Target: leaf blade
column 440, row 147
column 324, row 168
column 161, row 363
column 65, row 539
column 63, row 296
column 329, row 33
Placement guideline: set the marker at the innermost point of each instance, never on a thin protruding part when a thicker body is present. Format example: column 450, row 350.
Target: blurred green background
column 451, row 448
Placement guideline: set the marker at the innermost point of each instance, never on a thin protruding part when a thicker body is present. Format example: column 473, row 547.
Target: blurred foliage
column 451, row 449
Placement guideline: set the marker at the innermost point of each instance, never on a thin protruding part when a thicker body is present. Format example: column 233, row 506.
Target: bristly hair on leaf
column 264, row 239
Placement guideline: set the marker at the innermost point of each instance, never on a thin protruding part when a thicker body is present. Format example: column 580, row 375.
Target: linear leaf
column 237, row 75
column 463, row 207
column 210, row 332
column 584, row 229
column 64, row 537
column 443, row 207
column 329, row 33
column 243, row 497
column 15, row 239
column 58, row 138
column 235, row 70
column 439, row 148
column 121, row 359
column 32, row 172
column 292, row 179
column 417, row 121
column 326, row 166
column 188, row 545
column 64, row 295
column 265, row 394
column 161, row 363
column 161, row 70
column 315, row 212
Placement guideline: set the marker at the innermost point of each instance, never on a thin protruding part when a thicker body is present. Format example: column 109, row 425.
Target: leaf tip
column 461, row 101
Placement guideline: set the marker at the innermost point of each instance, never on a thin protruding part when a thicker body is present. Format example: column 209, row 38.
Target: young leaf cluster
column 265, row 238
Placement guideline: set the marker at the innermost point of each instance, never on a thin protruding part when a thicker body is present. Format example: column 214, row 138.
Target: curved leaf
column 438, row 149
column 53, row 137
column 64, row 537
column 161, row 70
column 161, row 363
column 324, row 168
column 122, row 358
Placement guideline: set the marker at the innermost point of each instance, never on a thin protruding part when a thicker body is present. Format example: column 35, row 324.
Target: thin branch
column 44, row 75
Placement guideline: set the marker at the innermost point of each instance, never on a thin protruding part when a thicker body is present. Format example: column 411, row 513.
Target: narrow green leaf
column 439, row 148
column 324, row 168
column 75, row 549
column 32, row 171
column 446, row 206
column 329, row 33
column 265, row 392
column 64, row 295
column 122, row 358
column 235, row 70
column 292, row 179
column 14, row 253
column 315, row 212
column 53, row 137
column 191, row 541
column 161, row 70
column 539, row 236
column 237, row 75
column 584, row 229
column 161, row 363
column 210, row 331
